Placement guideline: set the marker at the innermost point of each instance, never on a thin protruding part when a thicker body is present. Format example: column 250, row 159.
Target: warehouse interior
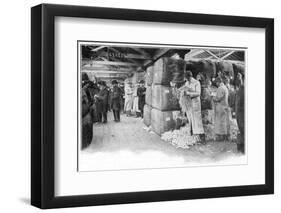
column 149, row 142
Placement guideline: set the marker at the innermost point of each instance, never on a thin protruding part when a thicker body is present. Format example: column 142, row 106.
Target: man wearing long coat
column 141, row 94
column 222, row 111
column 128, row 105
column 116, row 95
column 240, row 116
column 87, row 119
column 102, row 102
column 190, row 103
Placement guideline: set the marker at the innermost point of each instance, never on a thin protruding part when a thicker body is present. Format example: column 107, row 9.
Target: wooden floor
column 131, row 145
column 129, row 134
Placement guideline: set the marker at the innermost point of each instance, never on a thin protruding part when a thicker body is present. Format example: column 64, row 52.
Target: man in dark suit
column 116, row 96
column 240, row 109
column 102, row 102
column 141, row 94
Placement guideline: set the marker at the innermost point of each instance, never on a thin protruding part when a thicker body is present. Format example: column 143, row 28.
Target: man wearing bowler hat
column 102, row 102
column 116, row 96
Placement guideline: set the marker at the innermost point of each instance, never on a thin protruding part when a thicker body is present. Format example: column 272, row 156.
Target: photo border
column 43, row 110
column 138, row 44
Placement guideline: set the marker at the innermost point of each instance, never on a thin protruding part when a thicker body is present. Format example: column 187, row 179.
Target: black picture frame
column 43, row 105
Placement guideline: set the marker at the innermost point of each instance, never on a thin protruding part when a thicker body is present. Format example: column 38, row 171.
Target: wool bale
column 166, row 70
column 164, row 98
column 206, row 68
column 148, row 95
column 149, row 76
column 238, row 68
column 163, row 121
column 225, row 68
column 147, row 115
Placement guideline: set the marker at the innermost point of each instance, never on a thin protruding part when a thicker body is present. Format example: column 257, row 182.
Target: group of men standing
column 108, row 99
column 102, row 99
column 191, row 105
column 134, row 99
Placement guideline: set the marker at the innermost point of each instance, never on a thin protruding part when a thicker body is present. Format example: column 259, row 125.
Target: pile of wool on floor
column 210, row 132
column 180, row 138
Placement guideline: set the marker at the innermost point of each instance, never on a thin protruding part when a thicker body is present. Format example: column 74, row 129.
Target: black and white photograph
column 153, row 106
column 143, row 105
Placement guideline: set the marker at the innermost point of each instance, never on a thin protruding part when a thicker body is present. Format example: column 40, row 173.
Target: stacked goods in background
column 168, row 70
column 148, row 96
column 163, row 121
column 165, row 106
column 147, row 115
column 206, row 68
column 238, row 68
column 226, row 68
column 149, row 76
column 164, row 98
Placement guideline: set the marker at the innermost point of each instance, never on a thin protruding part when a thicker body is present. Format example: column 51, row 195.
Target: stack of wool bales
column 137, row 77
column 148, row 96
column 164, row 106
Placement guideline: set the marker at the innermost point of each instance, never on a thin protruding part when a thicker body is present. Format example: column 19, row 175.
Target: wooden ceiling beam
column 193, row 53
column 208, row 51
column 227, row 55
column 107, row 68
column 117, row 63
column 160, row 53
column 98, row 48
column 141, row 51
column 106, row 72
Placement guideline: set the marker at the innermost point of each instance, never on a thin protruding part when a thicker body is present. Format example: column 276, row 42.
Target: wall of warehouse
column 15, row 107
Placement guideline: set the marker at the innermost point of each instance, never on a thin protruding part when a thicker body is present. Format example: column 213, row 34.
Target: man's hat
column 218, row 80
column 141, row 82
column 102, row 83
column 188, row 74
column 114, row 82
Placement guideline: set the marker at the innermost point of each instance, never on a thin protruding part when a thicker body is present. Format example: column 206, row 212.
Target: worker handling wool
column 190, row 104
column 222, row 111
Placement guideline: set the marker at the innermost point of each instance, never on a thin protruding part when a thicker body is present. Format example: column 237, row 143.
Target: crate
column 164, row 98
column 225, row 68
column 168, row 69
column 147, row 115
column 148, row 95
column 206, row 68
column 149, row 76
column 163, row 121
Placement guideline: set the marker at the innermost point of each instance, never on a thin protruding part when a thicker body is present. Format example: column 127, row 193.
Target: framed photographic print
column 139, row 106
